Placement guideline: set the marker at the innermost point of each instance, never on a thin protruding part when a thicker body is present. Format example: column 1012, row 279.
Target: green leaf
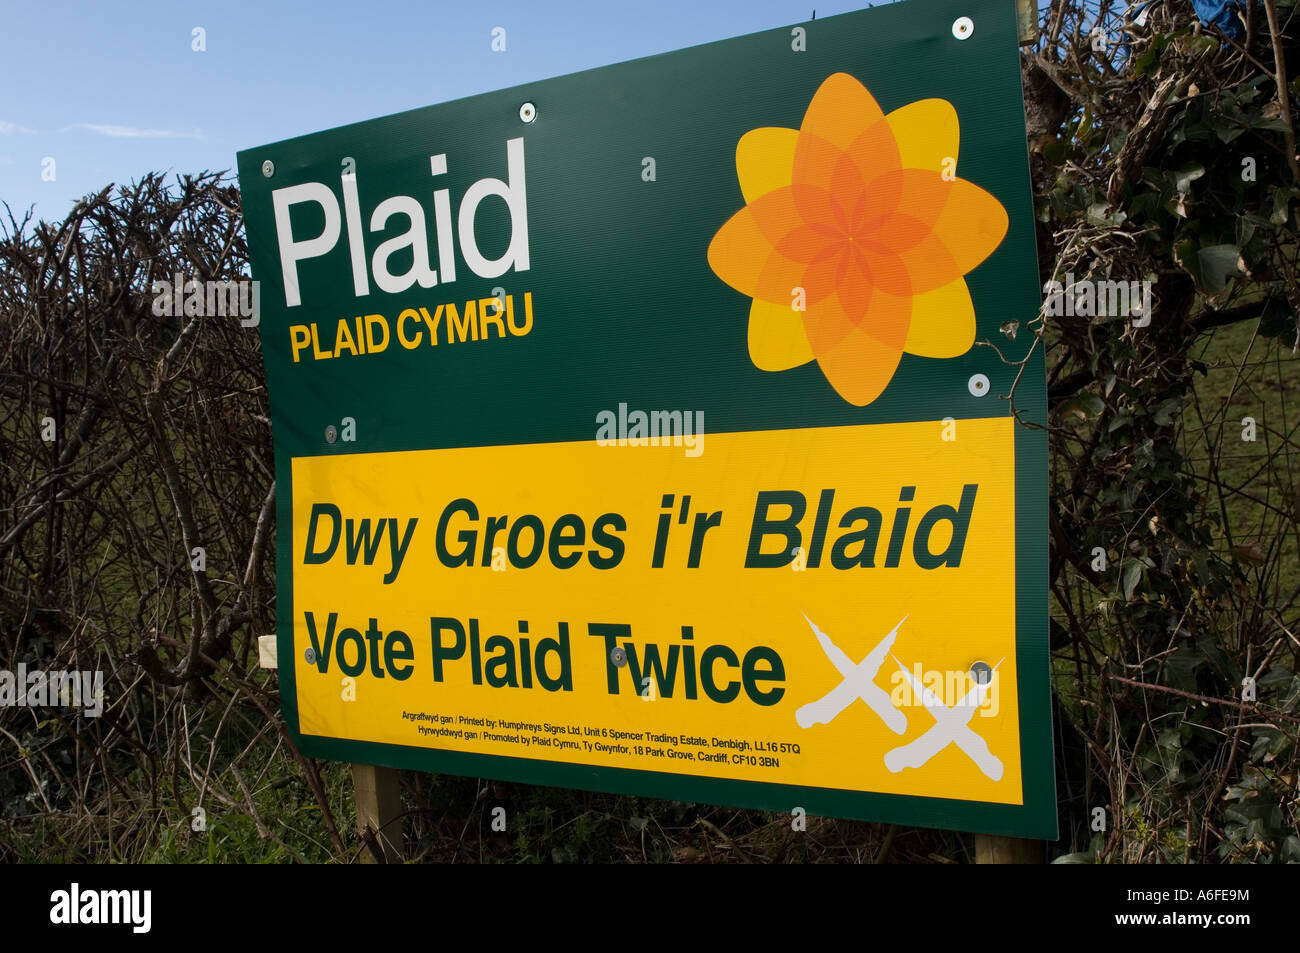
column 1185, row 176
column 1268, row 744
column 1217, row 264
column 1167, row 412
column 1132, row 576
column 1180, row 668
column 1225, row 130
column 1269, row 124
column 1291, row 849
column 1098, row 214
column 1143, row 64
column 1281, row 206
column 1277, row 319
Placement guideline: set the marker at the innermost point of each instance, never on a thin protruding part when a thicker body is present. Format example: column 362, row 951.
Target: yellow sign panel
column 761, row 606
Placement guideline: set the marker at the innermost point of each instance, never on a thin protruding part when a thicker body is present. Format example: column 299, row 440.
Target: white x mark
column 951, row 726
column 857, row 683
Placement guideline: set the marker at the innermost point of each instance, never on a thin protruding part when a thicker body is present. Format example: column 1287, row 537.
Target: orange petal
column 885, row 319
column 803, row 243
column 860, row 367
column 777, row 214
column 826, row 324
column 742, row 256
column 921, row 198
column 780, row 280
column 929, row 264
column 738, row 252
column 888, row 318
column 823, row 274
column 972, row 224
column 889, row 271
column 853, row 282
column 874, row 153
column 840, row 110
column 821, row 170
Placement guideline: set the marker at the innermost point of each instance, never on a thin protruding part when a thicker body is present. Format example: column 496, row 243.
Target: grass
column 1254, row 484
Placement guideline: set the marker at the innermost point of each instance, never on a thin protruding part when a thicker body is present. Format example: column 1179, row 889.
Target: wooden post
column 1027, row 21
column 995, row 849
column 379, row 808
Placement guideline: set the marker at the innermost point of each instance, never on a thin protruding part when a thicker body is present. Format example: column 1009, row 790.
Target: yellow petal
column 943, row 322
column 927, row 132
column 776, row 337
column 765, row 160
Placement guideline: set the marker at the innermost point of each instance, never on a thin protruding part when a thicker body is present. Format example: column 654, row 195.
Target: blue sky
column 113, row 90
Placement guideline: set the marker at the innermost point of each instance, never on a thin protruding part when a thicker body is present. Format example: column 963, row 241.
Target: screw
column 268, row 168
column 982, row 672
column 331, row 434
column 618, row 656
column 310, row 655
column 527, row 112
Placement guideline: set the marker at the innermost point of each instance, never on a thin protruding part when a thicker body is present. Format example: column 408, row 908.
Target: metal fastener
column 310, row 655
column 962, row 28
column 618, row 656
column 982, row 672
column 331, row 434
column 978, row 385
column 527, row 112
column 268, row 168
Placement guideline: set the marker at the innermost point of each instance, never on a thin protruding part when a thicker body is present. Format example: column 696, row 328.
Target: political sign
column 664, row 428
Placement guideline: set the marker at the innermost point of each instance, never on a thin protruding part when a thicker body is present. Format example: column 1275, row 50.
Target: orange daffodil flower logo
column 855, row 239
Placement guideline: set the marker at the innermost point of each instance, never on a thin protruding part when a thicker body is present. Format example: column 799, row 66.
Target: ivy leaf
column 1277, row 319
column 1291, row 849
column 1218, row 264
column 1132, row 576
column 1270, row 124
column 1185, row 176
column 1180, row 667
column 1167, row 412
column 1281, row 206
column 1098, row 214
column 1210, row 267
column 1226, row 130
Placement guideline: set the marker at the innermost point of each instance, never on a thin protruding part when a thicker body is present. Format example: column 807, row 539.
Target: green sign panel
column 635, row 430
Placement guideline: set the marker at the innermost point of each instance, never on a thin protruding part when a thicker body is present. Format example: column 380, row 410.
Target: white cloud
column 132, row 132
column 9, row 128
